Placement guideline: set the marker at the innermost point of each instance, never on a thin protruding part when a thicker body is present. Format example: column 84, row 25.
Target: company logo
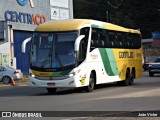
column 21, row 17
column 6, row 114
column 24, row 2
column 126, row 55
column 21, row 114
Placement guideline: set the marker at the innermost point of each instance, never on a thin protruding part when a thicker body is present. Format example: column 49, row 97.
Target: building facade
column 151, row 47
column 19, row 18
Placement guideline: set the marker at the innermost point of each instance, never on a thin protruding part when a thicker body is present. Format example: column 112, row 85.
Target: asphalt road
column 144, row 95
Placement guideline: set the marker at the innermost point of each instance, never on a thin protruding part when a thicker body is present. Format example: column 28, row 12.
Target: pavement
column 24, row 82
column 105, row 117
column 16, row 84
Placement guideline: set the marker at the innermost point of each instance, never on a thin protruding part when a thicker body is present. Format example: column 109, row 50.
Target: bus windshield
column 53, row 50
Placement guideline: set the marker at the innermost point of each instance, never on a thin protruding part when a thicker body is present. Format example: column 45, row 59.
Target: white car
column 8, row 73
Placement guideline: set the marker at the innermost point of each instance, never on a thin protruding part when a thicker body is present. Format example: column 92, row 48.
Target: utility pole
column 116, row 6
column 108, row 16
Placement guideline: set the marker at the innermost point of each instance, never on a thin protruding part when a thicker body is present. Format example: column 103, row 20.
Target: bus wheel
column 51, row 90
column 127, row 80
column 91, row 85
column 132, row 76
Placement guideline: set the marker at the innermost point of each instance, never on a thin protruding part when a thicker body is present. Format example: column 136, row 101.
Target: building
column 156, row 40
column 19, row 18
column 151, row 47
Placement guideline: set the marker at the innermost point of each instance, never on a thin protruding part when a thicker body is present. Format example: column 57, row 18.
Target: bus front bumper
column 69, row 82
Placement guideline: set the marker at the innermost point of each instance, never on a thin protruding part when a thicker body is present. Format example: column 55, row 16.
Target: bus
column 83, row 53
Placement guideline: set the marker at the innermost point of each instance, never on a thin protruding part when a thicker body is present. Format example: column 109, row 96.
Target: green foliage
column 141, row 14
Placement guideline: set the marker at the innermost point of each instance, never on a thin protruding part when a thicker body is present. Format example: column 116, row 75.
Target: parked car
column 7, row 73
column 146, row 65
column 154, row 67
column 147, row 61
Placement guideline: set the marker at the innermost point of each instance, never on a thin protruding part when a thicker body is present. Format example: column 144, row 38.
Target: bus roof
column 76, row 24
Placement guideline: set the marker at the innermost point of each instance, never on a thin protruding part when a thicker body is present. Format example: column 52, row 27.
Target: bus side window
column 107, row 39
column 82, row 51
column 137, row 41
column 102, row 38
column 94, row 39
column 116, row 42
column 128, row 40
column 120, row 39
column 111, row 39
column 83, row 45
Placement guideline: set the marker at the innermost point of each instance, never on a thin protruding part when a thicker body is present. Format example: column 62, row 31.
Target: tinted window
column 111, row 36
column 129, row 40
column 123, row 40
column 113, row 39
column 120, row 39
column 94, row 39
column 2, row 69
column 102, row 38
column 157, row 60
column 83, row 45
column 137, row 40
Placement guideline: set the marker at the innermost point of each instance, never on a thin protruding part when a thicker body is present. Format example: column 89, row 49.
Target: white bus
column 83, row 53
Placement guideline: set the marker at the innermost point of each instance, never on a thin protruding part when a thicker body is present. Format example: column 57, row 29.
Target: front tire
column 51, row 90
column 132, row 77
column 126, row 82
column 91, row 85
column 6, row 79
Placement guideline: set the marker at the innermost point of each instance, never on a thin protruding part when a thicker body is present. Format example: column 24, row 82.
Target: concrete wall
column 5, row 48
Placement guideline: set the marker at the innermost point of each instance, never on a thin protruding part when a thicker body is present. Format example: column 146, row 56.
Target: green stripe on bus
column 109, row 61
column 112, row 61
column 61, row 73
column 98, row 26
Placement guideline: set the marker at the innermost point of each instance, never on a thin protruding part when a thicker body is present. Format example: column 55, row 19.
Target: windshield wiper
column 59, row 60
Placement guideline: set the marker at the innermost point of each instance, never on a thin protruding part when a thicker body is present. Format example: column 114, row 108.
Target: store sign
column 24, row 2
column 64, row 14
column 59, row 14
column 27, row 18
column 55, row 14
column 59, row 3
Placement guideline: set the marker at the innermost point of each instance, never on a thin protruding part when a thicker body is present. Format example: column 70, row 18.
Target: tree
column 141, row 14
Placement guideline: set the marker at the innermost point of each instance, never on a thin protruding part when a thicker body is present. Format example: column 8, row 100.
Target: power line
column 116, row 5
column 133, row 8
column 154, row 11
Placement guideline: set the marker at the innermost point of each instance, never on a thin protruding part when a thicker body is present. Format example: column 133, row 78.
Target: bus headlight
column 74, row 73
column 32, row 75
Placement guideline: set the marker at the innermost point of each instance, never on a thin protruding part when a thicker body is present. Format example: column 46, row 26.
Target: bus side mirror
column 77, row 42
column 24, row 44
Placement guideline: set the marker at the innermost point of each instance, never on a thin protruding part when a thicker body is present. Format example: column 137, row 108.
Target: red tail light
column 16, row 72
